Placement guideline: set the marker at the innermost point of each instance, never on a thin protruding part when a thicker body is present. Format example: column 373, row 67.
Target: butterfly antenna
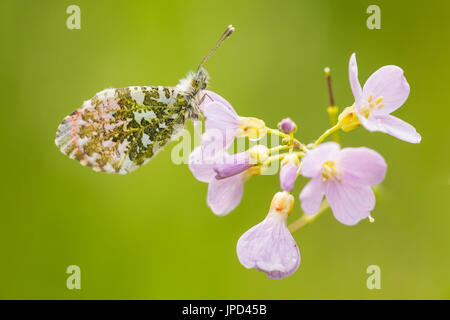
column 228, row 31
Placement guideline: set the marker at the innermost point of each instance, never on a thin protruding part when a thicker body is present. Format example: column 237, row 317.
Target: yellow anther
column 329, row 171
column 379, row 100
column 366, row 112
column 369, row 105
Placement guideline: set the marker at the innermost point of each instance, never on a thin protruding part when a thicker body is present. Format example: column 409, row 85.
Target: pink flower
column 288, row 172
column 269, row 246
column 224, row 194
column 225, row 174
column 344, row 177
column 210, row 162
column 225, row 124
column 384, row 92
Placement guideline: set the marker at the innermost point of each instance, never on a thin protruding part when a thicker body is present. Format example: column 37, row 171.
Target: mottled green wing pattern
column 119, row 130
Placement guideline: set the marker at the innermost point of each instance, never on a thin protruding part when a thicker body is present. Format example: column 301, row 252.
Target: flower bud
column 348, row 119
column 282, row 203
column 251, row 128
column 258, row 154
column 287, row 125
column 288, row 172
column 232, row 165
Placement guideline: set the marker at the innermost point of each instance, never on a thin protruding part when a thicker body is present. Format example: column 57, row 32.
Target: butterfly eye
column 195, row 83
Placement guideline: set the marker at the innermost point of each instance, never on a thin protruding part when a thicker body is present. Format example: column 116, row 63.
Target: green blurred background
column 150, row 234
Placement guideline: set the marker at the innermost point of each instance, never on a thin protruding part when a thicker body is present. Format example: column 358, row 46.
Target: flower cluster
column 343, row 176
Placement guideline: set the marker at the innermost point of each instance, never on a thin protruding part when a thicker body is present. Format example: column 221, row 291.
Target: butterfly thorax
column 191, row 88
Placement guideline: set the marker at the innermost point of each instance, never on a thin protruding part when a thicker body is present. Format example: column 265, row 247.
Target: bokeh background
column 150, row 234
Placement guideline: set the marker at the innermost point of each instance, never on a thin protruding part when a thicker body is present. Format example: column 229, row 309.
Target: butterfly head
column 194, row 83
column 200, row 80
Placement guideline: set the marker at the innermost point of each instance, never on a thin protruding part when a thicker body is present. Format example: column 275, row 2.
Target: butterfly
column 119, row 130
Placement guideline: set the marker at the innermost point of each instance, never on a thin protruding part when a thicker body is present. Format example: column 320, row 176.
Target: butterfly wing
column 118, row 130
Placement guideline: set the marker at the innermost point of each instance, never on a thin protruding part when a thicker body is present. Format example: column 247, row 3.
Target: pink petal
column 211, row 97
column 367, row 123
column 313, row 160
column 222, row 121
column 224, row 195
column 393, row 126
column 282, row 274
column 218, row 116
column 201, row 168
column 350, row 203
column 288, row 175
column 400, row 129
column 353, row 77
column 361, row 166
column 213, row 144
column 269, row 247
column 232, row 165
column 312, row 195
column 387, row 82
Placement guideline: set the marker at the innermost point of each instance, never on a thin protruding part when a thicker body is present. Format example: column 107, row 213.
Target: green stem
column 274, row 158
column 332, row 113
column 291, row 140
column 305, row 219
column 278, row 148
column 278, row 133
column 326, row 134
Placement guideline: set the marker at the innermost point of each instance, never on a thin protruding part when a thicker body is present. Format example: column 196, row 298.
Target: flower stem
column 278, row 148
column 273, row 158
column 332, row 110
column 305, row 219
column 335, row 128
column 291, row 141
column 332, row 113
column 278, row 133
column 330, row 88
